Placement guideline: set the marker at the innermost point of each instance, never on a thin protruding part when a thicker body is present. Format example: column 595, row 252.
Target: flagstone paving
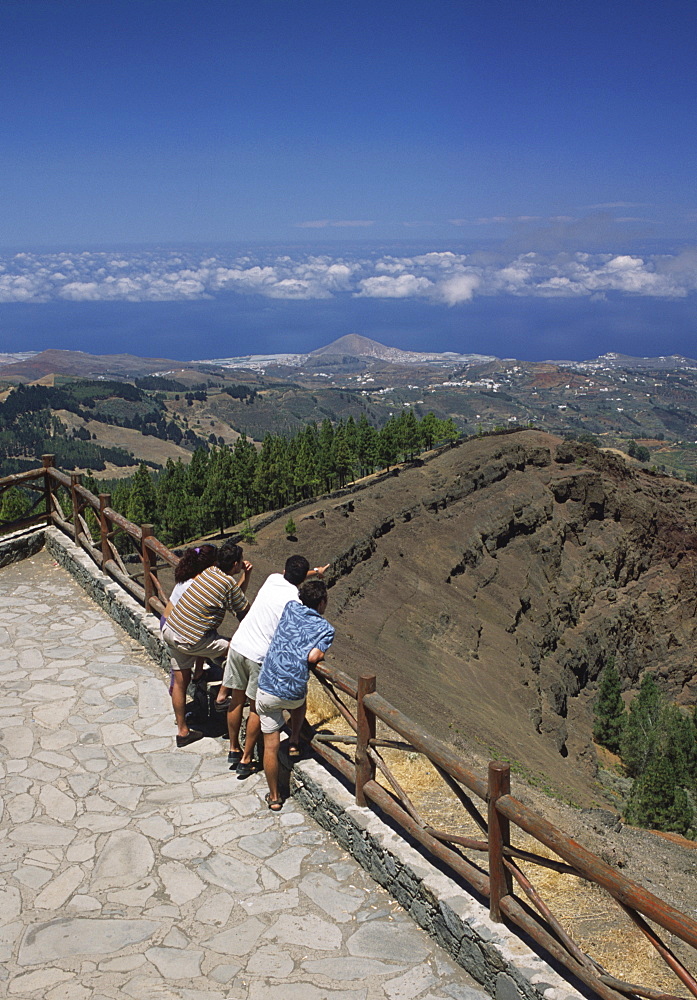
column 130, row 869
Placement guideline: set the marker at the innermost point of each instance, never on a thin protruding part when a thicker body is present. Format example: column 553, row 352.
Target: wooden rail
column 502, row 812
column 93, row 524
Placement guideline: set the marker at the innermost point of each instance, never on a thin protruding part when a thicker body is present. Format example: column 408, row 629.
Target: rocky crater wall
column 488, row 588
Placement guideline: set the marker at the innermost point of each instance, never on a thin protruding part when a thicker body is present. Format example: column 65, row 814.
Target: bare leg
column 253, row 731
column 297, row 717
column 181, row 680
column 272, row 741
column 222, row 694
column 234, row 718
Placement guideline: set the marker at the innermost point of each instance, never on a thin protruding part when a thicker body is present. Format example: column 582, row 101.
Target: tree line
column 224, row 485
column 657, row 743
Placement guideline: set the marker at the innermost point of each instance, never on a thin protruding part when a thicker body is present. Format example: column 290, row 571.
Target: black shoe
column 234, row 757
column 244, row 770
column 193, row 736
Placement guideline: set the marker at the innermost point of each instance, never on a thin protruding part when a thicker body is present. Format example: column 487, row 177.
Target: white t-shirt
column 255, row 632
column 178, row 589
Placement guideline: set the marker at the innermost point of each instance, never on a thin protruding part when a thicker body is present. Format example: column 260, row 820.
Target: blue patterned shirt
column 284, row 670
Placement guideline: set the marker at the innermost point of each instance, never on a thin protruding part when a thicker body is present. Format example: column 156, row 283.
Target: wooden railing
column 500, row 810
column 69, row 506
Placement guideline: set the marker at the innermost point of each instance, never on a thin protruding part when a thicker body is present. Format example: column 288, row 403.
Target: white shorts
column 241, row 674
column 270, row 709
column 184, row 655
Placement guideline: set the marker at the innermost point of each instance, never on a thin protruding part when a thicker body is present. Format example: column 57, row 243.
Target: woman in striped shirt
column 191, row 629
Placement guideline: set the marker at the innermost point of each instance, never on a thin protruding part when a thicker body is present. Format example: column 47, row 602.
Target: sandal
column 234, row 757
column 193, row 736
column 294, row 751
column 275, row 805
column 244, row 770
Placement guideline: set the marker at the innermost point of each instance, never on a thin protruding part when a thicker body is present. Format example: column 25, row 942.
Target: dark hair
column 207, row 555
column 194, row 561
column 187, row 567
column 229, row 555
column 312, row 593
column 296, row 569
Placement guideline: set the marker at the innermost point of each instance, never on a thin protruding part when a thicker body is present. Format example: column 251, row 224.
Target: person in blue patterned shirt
column 301, row 639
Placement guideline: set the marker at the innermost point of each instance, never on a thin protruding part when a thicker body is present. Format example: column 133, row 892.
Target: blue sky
column 338, row 145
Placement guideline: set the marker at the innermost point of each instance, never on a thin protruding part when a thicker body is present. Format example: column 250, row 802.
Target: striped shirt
column 202, row 607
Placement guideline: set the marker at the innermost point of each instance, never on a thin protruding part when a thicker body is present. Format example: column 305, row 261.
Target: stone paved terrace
column 130, row 869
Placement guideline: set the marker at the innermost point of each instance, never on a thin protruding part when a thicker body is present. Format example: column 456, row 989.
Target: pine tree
column 641, row 729
column 142, row 501
column 264, row 476
column 15, row 504
column 305, row 471
column 387, row 444
column 609, row 710
column 450, row 431
column 342, row 457
column 677, row 738
column 179, row 510
column 197, row 472
column 367, row 445
column 326, row 461
column 243, row 469
column 216, row 498
column 408, row 434
column 657, row 801
column 429, row 430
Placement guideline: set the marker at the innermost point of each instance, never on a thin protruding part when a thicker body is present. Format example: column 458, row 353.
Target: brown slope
column 487, row 588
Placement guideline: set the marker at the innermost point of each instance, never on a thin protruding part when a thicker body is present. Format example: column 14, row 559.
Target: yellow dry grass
column 144, row 447
column 587, row 913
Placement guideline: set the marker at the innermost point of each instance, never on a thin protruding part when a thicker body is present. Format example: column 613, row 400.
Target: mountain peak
column 355, row 345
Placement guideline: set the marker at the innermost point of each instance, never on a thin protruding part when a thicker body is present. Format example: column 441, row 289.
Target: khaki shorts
column 270, row 709
column 211, row 646
column 241, row 674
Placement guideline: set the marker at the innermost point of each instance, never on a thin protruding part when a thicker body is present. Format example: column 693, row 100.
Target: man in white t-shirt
column 248, row 647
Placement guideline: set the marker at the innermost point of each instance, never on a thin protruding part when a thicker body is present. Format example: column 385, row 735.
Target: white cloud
column 460, row 288
column 405, row 286
column 440, row 276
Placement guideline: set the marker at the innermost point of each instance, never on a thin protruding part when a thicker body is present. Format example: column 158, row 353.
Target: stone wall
column 504, row 965
column 124, row 609
column 20, row 544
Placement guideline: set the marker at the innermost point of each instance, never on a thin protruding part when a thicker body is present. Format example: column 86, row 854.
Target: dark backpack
column 200, row 712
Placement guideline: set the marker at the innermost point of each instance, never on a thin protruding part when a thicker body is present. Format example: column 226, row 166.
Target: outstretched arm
column 317, row 571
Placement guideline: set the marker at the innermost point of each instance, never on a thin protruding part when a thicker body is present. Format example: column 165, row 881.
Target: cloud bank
column 440, row 277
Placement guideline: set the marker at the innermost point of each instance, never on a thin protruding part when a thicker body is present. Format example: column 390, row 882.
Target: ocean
column 527, row 328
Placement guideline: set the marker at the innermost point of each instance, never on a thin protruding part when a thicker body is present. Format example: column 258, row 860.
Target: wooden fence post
column 365, row 768
column 104, row 501
column 149, row 566
column 500, row 879
column 48, row 462
column 75, row 480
